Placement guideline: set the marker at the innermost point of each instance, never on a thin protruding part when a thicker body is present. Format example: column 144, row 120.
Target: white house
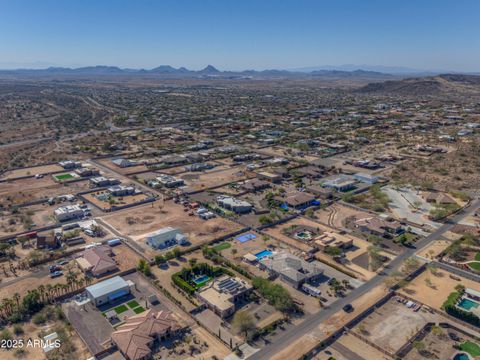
column 68, row 212
column 166, row 237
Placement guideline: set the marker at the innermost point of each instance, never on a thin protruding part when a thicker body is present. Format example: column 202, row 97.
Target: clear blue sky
column 241, row 34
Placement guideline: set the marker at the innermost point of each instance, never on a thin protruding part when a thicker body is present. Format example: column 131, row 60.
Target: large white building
column 166, row 237
column 68, row 212
column 108, row 290
column 235, row 205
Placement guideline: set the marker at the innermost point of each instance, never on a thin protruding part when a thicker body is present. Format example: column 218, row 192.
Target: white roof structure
column 107, row 286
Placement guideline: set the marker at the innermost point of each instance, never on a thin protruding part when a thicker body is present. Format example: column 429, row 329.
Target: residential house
column 378, row 226
column 292, row 269
column 254, row 185
column 98, row 261
column 136, row 337
column 166, row 237
column 224, row 293
column 235, row 205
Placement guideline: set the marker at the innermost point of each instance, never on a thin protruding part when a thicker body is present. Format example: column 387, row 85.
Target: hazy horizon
column 430, row 36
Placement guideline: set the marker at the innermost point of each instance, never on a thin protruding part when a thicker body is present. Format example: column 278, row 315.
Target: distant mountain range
column 209, row 71
column 440, row 85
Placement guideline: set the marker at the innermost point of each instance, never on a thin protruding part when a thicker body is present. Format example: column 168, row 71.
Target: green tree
column 243, row 322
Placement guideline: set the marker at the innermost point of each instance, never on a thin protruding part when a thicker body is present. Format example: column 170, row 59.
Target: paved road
column 314, row 320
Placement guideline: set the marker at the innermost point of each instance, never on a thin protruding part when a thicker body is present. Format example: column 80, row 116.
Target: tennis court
column 246, row 237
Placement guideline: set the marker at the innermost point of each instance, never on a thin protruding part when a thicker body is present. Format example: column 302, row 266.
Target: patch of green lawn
column 132, row 304
column 474, row 265
column 63, row 177
column 471, row 348
column 120, row 309
column 477, row 256
column 138, row 310
column 222, row 246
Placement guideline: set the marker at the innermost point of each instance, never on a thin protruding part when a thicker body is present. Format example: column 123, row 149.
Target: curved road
column 314, row 320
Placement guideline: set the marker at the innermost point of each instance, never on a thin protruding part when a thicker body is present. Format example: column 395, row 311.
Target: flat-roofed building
column 108, row 290
column 68, row 212
column 224, row 293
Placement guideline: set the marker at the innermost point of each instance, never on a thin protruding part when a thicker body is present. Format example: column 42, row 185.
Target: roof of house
column 100, row 259
column 377, row 224
column 297, row 198
column 255, row 184
column 107, row 286
column 134, row 337
column 291, row 266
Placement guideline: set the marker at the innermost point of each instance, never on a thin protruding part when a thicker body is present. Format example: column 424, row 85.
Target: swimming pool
column 200, row 280
column 260, row 255
column 467, row 304
column 461, row 356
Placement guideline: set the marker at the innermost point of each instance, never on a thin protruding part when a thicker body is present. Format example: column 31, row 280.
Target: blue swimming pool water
column 201, row 279
column 461, row 356
column 260, row 255
column 467, row 304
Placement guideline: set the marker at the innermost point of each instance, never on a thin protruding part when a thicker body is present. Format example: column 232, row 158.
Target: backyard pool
column 201, row 280
column 467, row 304
column 461, row 356
column 260, row 255
column 306, row 235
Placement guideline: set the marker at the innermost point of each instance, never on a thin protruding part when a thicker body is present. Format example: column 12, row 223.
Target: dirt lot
column 32, row 282
column 24, row 190
column 392, row 325
column 34, row 216
column 349, row 343
column 195, row 181
column 33, row 331
column 441, row 286
column 139, row 221
column 116, row 200
column 336, row 214
column 124, row 171
column 434, row 249
column 302, row 345
column 277, row 232
column 34, row 170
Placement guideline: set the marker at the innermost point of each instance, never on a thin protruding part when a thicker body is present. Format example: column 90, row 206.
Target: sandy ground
column 302, row 345
column 435, row 248
column 30, row 189
column 34, row 353
column 442, row 286
column 207, row 180
column 138, row 221
column 336, row 214
column 124, row 171
column 119, row 200
column 43, row 169
column 392, row 325
column 277, row 232
column 360, row 348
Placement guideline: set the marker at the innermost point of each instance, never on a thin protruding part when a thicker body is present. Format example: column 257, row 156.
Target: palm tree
column 41, row 290
column 49, row 289
column 16, row 297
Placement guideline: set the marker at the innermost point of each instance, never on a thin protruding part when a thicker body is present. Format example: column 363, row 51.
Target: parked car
column 54, row 268
column 56, row 274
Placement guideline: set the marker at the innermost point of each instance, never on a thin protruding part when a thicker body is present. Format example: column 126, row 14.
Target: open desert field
column 139, row 221
column 31, row 171
column 195, row 181
column 107, row 162
column 436, row 292
column 95, row 198
column 30, row 189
